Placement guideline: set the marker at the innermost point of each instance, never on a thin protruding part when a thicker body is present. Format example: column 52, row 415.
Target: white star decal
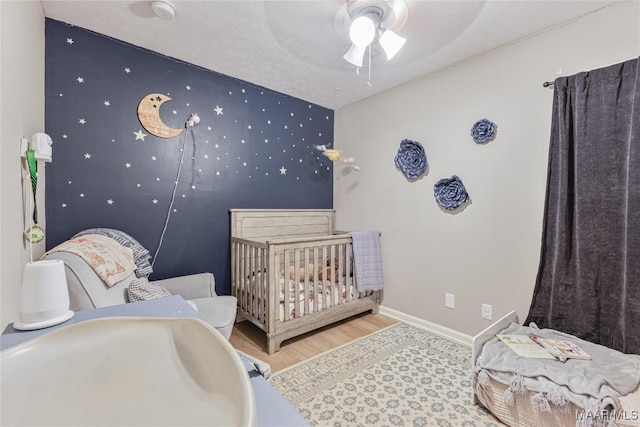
column 139, row 135
column 193, row 187
column 81, row 194
column 128, row 165
column 110, row 202
column 206, row 156
column 80, row 80
column 64, row 205
column 127, row 70
column 283, row 171
column 243, row 91
column 70, row 40
column 188, row 87
column 107, row 103
column 87, row 155
column 64, row 136
column 154, row 158
column 82, row 121
column 218, row 110
column 174, row 112
column 155, row 201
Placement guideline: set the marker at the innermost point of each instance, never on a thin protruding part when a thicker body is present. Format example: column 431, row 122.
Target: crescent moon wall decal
column 149, row 116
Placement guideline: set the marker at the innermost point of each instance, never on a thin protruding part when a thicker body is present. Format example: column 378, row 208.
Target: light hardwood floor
column 248, row 338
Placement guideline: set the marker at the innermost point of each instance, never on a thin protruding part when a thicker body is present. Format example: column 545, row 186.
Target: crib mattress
column 524, row 414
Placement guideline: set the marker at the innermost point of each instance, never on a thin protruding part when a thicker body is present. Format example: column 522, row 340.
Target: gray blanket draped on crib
column 367, row 260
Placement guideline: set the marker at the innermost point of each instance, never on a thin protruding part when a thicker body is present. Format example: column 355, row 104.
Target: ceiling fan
column 374, row 21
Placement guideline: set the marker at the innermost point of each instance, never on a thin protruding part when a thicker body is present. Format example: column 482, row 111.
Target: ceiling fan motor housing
column 163, row 9
column 379, row 11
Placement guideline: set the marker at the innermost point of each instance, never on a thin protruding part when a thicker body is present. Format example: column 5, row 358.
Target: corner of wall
column 21, row 115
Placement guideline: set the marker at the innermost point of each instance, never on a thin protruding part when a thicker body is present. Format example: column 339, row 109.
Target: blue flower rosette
column 411, row 159
column 450, row 193
column 483, row 131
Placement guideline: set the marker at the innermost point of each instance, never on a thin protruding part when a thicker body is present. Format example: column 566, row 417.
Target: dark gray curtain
column 588, row 281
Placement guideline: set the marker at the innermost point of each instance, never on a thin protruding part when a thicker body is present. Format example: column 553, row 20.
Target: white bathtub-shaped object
column 127, row 371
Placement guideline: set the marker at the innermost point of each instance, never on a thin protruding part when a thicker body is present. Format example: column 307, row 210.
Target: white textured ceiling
column 296, row 46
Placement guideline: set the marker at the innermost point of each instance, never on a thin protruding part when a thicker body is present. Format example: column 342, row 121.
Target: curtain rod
column 547, row 84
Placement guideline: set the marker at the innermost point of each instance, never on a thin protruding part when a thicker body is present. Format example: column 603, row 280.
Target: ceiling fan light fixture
column 391, row 43
column 355, row 55
column 362, row 31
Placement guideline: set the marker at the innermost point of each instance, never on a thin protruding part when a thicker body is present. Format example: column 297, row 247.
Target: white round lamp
column 44, row 300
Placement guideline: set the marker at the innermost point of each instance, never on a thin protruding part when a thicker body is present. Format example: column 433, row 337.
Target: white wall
column 21, row 114
column 490, row 251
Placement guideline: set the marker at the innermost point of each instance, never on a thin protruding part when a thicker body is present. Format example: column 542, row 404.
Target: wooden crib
column 291, row 272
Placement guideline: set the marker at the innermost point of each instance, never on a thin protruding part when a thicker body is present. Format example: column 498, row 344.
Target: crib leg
column 273, row 344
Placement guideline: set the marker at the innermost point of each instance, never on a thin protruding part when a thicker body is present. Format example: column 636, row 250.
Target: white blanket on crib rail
column 367, row 260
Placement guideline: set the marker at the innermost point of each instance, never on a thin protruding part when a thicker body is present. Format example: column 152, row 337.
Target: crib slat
column 273, row 293
column 261, row 285
column 333, row 259
column 296, row 281
column 308, row 289
column 253, row 301
column 286, row 284
column 350, row 278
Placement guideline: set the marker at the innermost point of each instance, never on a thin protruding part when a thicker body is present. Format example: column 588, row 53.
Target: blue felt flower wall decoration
column 450, row 193
column 411, row 159
column 483, row 131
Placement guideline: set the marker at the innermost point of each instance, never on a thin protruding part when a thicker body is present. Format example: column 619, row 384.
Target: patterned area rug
column 399, row 376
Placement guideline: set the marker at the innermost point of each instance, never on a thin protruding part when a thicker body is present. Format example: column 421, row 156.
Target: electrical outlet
column 487, row 311
column 449, row 300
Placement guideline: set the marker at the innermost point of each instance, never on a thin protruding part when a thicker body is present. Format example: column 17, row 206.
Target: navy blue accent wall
column 253, row 148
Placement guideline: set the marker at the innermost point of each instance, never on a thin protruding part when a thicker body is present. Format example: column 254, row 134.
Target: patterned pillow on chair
column 142, row 290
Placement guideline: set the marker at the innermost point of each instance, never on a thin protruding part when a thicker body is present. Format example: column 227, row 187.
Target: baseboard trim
column 451, row 334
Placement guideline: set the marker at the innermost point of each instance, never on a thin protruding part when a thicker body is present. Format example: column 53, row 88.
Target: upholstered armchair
column 87, row 290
